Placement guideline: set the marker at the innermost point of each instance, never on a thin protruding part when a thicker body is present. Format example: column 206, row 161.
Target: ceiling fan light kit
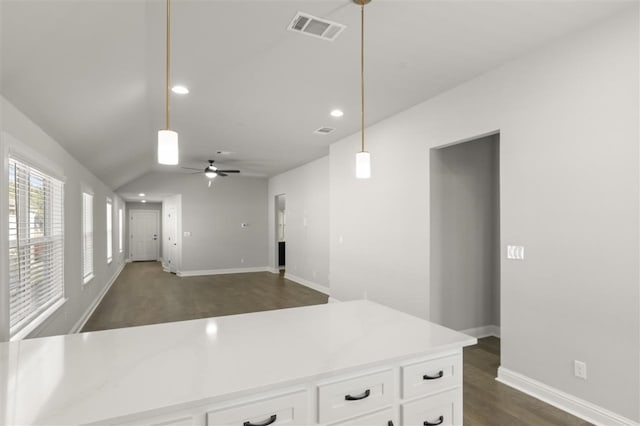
column 211, row 171
column 168, row 139
column 363, row 158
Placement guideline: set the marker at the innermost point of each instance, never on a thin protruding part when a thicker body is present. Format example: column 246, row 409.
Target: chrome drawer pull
column 437, row 376
column 265, row 423
column 439, row 422
column 358, row 397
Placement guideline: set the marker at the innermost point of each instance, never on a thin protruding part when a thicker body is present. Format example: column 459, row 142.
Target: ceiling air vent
column 315, row 27
column 324, row 130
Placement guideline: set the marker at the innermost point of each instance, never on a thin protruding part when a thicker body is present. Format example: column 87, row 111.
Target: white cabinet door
column 381, row 418
column 440, row 409
column 288, row 409
column 431, row 376
column 181, row 418
column 351, row 397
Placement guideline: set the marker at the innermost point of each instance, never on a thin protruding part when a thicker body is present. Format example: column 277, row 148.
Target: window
column 87, row 237
column 109, row 230
column 121, row 230
column 36, row 245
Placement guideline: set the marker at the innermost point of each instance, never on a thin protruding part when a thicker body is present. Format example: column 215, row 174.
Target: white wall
column 307, row 222
column 50, row 155
column 568, row 119
column 213, row 216
column 465, row 234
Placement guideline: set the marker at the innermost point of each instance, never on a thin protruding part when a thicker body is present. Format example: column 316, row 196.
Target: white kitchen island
column 355, row 363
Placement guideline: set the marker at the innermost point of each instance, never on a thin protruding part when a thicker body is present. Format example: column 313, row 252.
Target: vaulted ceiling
column 91, row 72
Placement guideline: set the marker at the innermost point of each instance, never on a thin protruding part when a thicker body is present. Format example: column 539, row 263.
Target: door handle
column 358, row 397
column 267, row 422
column 436, row 423
column 437, row 376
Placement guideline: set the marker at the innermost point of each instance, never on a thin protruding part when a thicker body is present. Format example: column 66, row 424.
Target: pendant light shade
column 167, row 138
column 168, row 147
column 363, row 165
column 363, row 158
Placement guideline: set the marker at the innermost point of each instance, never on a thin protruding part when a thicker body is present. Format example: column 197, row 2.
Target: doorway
column 281, row 223
column 144, row 229
column 465, row 236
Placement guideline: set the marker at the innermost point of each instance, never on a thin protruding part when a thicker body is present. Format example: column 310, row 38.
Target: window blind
column 109, row 230
column 36, row 243
column 87, row 237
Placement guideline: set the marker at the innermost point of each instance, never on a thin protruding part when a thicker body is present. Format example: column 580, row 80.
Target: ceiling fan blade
column 228, row 171
column 191, row 168
column 219, row 173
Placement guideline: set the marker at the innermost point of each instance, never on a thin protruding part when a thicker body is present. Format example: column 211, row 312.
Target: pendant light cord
column 362, row 69
column 168, row 64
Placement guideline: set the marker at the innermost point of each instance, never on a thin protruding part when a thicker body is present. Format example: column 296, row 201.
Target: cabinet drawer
column 431, row 376
column 351, row 397
column 288, row 409
column 381, row 418
column 182, row 418
column 440, row 409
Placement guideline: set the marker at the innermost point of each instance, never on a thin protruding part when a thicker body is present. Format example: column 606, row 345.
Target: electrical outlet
column 580, row 369
column 241, row 260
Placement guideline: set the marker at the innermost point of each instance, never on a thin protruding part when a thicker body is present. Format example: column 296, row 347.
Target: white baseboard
column 564, row 401
column 307, row 283
column 333, row 300
column 273, row 270
column 77, row 327
column 222, row 271
column 484, row 331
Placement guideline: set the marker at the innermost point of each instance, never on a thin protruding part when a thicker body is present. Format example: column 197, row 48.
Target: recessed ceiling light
column 142, row 194
column 337, row 113
column 180, row 90
column 143, row 201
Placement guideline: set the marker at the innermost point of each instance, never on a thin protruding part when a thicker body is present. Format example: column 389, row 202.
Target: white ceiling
column 90, row 72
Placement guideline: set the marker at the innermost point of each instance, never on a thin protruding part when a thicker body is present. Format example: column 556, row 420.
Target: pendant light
column 167, row 138
column 363, row 158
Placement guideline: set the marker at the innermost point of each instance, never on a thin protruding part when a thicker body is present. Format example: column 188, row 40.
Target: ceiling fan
column 212, row 171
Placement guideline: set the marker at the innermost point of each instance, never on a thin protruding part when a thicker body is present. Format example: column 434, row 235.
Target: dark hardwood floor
column 144, row 294
column 489, row 402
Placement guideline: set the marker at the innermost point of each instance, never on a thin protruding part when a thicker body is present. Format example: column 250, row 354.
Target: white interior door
column 172, row 238
column 143, row 233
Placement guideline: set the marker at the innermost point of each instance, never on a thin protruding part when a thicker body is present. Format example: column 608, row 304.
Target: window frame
column 15, row 150
column 109, row 230
column 86, row 279
column 120, row 230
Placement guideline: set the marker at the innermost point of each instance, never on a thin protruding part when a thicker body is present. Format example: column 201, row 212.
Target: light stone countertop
column 88, row 377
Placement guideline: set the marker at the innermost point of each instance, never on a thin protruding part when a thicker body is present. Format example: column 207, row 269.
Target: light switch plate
column 515, row 252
